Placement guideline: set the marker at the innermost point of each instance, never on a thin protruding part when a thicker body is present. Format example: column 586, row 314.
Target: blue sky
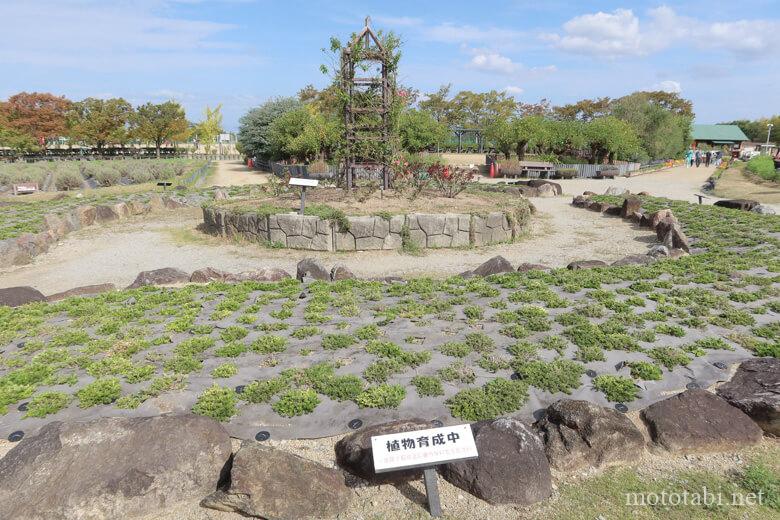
column 241, row 52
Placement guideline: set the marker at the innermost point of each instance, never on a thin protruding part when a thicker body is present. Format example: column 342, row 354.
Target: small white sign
column 420, row 448
column 298, row 181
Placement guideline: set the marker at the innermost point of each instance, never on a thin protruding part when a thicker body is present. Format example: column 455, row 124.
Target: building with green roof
column 718, row 135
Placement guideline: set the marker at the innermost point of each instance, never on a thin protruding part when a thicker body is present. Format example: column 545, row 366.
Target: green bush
column 561, row 375
column 758, row 478
column 100, row 391
column 216, row 402
column 427, row 386
column 368, row 332
column 269, row 343
column 480, row 342
column 341, row 388
column 618, row 389
column 232, row 349
column 263, row 391
column 233, row 333
column 764, row 167
column 304, row 332
column 296, row 402
column 225, row 370
column 455, row 349
column 496, row 398
column 669, row 357
column 382, row 396
column 473, row 312
column 645, row 371
column 457, row 371
column 47, row 403
column 337, row 341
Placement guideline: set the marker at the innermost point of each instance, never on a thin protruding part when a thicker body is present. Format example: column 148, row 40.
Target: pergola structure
column 368, row 102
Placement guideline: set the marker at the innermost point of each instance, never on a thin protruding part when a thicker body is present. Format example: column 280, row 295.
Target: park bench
column 25, row 188
column 536, row 169
column 608, row 173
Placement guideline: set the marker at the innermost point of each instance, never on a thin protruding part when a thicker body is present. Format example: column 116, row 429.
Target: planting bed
column 307, row 359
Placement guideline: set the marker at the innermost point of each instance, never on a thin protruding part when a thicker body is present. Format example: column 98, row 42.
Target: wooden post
column 432, row 491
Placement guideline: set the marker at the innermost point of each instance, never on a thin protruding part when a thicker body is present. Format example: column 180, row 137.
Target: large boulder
column 660, row 215
column 696, row 420
column 580, row 201
column 613, row 210
column 546, row 191
column 525, row 267
column 269, row 483
column 762, row 209
column 112, row 467
column 755, row 389
column 539, row 183
column 496, row 265
column 16, row 296
column 614, row 190
column 511, row 468
column 355, row 455
column 585, row 264
column 209, row 274
column 630, row 206
column 341, row 272
column 164, row 276
column 634, row 260
column 84, row 290
column 580, row 434
column 264, row 274
column 741, row 204
column 675, row 238
column 311, row 268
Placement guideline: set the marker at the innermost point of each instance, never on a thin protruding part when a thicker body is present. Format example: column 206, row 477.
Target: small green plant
column 263, row 391
column 296, row 402
column 225, row 370
column 47, row 403
column 560, row 375
column 455, row 349
column 480, row 342
column 427, row 386
column 473, row 312
column 216, row 402
column 645, row 371
column 337, row 341
column 340, row 388
column 382, row 396
column 269, row 343
column 368, row 332
column 617, row 389
column 669, row 357
column 496, row 398
column 306, row 331
column 232, row 349
column 100, row 391
column 759, row 478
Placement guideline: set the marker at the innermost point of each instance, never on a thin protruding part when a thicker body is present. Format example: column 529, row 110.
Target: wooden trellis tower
column 368, row 104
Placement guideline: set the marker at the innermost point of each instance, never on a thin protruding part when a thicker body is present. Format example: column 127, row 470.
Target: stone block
column 461, row 239
column 435, row 241
column 322, row 242
column 277, row 236
column 345, row 241
column 361, row 227
column 299, row 242
column 393, row 241
column 381, row 227
column 291, row 224
column 309, row 226
column 464, row 222
column 368, row 243
column 397, row 223
column 495, row 220
column 417, row 237
column 411, row 221
column 431, row 224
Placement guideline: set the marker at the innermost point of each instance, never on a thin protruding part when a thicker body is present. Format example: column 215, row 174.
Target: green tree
column 418, row 131
column 477, row 110
column 585, row 110
column 156, row 123
column 254, row 127
column 438, row 105
column 303, row 133
column 501, row 133
column 662, row 122
column 528, row 132
column 209, row 129
column 99, row 122
column 610, row 138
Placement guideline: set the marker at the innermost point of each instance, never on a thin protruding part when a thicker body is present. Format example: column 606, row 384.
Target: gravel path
column 235, row 173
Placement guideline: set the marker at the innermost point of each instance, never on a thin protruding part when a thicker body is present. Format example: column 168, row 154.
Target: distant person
column 707, row 158
column 697, row 158
column 688, row 158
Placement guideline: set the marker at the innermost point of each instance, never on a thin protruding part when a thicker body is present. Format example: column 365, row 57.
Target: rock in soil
column 580, row 434
column 585, row 264
column 16, row 296
column 164, row 276
column 496, row 265
column 755, row 389
column 112, row 467
column 511, row 468
column 269, row 483
column 696, row 420
column 85, row 290
column 311, row 268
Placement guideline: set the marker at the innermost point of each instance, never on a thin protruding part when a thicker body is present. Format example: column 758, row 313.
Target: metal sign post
column 303, row 183
column 424, row 449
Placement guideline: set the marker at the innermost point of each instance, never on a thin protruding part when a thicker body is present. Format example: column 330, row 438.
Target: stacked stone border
column 361, row 233
column 22, row 249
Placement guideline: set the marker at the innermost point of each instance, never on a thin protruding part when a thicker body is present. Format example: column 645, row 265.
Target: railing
column 587, row 171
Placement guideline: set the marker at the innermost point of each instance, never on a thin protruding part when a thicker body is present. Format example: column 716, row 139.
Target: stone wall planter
column 366, row 233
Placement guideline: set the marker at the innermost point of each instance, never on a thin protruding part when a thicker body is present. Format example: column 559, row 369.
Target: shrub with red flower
column 450, row 180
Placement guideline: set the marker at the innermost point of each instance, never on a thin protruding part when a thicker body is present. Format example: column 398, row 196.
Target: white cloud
column 397, row 21
column 513, row 91
column 673, row 87
column 493, row 62
column 94, row 34
column 469, row 34
column 622, row 33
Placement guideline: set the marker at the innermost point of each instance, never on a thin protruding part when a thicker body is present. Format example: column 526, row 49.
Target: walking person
column 697, row 158
column 688, row 158
column 707, row 159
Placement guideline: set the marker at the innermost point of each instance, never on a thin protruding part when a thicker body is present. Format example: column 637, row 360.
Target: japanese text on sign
column 423, row 447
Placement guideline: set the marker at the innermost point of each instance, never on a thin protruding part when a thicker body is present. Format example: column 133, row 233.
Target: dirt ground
column 735, row 184
column 118, row 252
column 235, row 173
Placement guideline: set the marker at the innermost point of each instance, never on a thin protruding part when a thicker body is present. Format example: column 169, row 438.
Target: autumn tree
column 585, row 110
column 14, row 139
column 157, row 123
column 209, row 129
column 38, row 115
column 100, row 122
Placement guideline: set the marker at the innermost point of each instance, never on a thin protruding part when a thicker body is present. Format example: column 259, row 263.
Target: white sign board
column 297, row 181
column 224, row 138
column 422, row 448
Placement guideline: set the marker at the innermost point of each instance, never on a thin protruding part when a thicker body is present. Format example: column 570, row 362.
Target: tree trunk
column 157, row 145
column 521, row 146
column 611, row 158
